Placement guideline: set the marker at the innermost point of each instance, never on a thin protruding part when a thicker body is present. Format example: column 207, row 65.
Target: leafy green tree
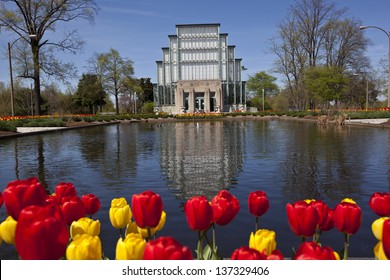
column 261, row 84
column 262, row 81
column 148, row 107
column 90, row 93
column 32, row 21
column 146, row 93
column 115, row 73
column 326, row 83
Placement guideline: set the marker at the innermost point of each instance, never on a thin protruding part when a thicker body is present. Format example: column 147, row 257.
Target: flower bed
column 61, row 225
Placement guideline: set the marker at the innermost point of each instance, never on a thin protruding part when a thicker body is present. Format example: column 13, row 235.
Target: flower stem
column 214, row 242
column 346, row 246
column 200, row 249
column 316, row 236
column 149, row 234
column 257, row 224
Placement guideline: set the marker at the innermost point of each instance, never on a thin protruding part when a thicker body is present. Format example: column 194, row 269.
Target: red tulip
column 275, row 255
column 386, row 238
column 91, row 203
column 347, row 216
column 72, row 209
column 246, row 253
column 258, row 203
column 65, row 190
column 166, row 248
column 225, row 207
column 312, row 251
column 380, row 203
column 199, row 213
column 52, row 199
column 41, row 233
column 302, row 218
column 328, row 223
column 22, row 193
column 147, row 209
column 325, row 215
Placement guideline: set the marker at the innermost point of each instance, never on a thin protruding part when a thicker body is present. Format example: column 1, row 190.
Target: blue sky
column 139, row 29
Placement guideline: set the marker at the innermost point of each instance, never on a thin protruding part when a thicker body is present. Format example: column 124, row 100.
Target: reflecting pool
column 289, row 160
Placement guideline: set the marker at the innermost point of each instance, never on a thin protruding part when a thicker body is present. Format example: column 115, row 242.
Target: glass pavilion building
column 199, row 72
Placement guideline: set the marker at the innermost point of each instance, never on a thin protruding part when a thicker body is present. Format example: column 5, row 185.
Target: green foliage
column 146, row 94
column 75, row 119
column 326, row 83
column 90, row 92
column 7, row 126
column 36, row 122
column 368, row 114
column 261, row 80
column 88, row 119
column 257, row 102
column 148, row 107
column 116, row 74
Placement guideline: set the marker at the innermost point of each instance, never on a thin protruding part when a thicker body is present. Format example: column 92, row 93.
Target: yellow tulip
column 84, row 247
column 85, row 226
column 379, row 252
column 120, row 213
column 377, row 227
column 262, row 240
column 131, row 248
column 131, row 228
column 7, row 230
column 348, row 200
column 161, row 223
column 1, row 238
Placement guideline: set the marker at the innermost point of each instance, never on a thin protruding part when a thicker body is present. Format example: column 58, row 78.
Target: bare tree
column 32, row 21
column 316, row 33
column 314, row 18
column 291, row 60
column 344, row 46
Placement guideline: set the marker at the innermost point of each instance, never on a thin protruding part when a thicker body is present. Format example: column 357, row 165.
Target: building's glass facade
column 199, row 72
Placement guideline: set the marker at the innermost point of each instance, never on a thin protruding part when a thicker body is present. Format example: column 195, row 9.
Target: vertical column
column 207, row 100
column 218, row 99
column 191, row 101
column 179, row 99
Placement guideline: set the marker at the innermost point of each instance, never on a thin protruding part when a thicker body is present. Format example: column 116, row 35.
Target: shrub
column 7, row 126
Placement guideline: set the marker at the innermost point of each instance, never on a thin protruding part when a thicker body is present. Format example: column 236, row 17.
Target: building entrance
column 212, row 104
column 199, row 104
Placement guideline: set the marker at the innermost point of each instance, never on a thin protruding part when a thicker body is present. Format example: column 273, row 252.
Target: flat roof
column 198, row 24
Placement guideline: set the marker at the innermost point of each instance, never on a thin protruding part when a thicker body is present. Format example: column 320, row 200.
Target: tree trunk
column 116, row 103
column 36, row 74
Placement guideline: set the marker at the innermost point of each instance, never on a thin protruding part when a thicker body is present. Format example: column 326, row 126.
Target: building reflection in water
column 201, row 158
